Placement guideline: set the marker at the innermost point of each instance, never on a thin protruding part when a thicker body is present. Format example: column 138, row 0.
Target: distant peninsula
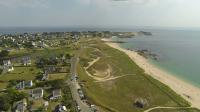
column 131, row 34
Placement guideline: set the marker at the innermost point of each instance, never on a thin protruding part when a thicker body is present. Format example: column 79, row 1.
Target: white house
column 6, row 62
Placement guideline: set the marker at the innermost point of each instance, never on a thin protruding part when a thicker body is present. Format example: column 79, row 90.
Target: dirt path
column 107, row 77
column 154, row 108
column 92, row 62
column 95, row 76
column 113, row 78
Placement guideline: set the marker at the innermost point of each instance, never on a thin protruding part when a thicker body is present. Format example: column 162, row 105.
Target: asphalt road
column 73, row 85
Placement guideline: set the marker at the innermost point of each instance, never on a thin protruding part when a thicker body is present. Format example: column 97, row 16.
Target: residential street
column 73, row 85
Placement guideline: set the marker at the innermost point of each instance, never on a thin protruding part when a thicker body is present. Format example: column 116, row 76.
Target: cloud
column 23, row 3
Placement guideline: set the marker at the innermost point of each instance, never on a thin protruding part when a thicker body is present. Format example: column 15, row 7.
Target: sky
column 100, row 13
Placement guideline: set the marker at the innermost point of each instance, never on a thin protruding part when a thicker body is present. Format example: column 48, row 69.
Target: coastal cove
column 186, row 90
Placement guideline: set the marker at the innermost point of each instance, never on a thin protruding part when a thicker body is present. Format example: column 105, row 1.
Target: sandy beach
column 186, row 90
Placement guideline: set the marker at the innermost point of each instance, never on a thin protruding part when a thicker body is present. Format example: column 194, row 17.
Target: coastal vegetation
column 114, row 82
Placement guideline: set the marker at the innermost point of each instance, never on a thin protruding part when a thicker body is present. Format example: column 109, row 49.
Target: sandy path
column 186, row 90
column 108, row 75
column 92, row 62
column 95, row 76
column 112, row 78
column 154, row 108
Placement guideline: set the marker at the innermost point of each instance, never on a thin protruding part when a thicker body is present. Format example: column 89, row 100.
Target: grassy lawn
column 19, row 73
column 57, row 76
column 3, row 85
column 52, row 105
column 37, row 104
column 119, row 95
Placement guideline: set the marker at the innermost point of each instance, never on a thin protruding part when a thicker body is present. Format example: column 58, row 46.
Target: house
column 8, row 69
column 20, row 86
column 37, row 93
column 63, row 58
column 33, row 44
column 29, row 83
column 26, row 60
column 6, row 62
column 42, row 44
column 61, row 69
column 56, row 94
column 50, row 69
column 7, row 66
column 21, row 106
column 24, row 84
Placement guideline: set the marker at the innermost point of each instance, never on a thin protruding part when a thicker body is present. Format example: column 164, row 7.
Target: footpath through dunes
column 114, row 82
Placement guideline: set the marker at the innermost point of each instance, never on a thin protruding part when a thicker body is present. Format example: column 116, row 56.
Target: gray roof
column 37, row 92
column 57, row 93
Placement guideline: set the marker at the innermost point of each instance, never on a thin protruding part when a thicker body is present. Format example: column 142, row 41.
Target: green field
column 58, row 76
column 119, row 95
column 19, row 73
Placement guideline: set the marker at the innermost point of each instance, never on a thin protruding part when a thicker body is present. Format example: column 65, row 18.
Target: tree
column 40, row 109
column 28, row 45
column 4, row 103
column 12, row 83
column 15, row 95
column 4, row 53
column 56, row 84
column 1, row 70
column 68, row 56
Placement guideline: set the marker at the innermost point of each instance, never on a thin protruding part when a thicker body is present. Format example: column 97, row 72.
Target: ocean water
column 178, row 51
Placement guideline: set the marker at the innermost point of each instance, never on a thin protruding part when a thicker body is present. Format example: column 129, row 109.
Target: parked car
column 77, row 107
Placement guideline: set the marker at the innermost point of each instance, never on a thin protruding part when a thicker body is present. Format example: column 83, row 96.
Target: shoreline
column 181, row 87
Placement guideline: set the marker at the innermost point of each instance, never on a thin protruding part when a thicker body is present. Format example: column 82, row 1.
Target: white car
column 93, row 108
column 78, row 108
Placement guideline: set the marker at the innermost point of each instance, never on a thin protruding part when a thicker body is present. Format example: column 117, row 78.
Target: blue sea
column 178, row 51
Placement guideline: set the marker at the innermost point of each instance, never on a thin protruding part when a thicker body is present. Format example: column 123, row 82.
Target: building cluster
column 38, row 94
column 43, row 40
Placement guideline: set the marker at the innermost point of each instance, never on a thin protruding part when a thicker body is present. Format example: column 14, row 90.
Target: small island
column 145, row 33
